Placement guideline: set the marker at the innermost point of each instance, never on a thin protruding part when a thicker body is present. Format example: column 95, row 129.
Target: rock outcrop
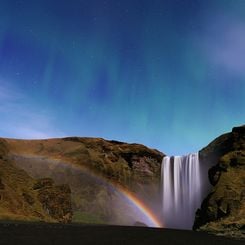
column 55, row 200
column 117, row 161
column 223, row 210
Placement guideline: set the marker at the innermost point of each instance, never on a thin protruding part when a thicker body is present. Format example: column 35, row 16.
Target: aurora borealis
column 169, row 74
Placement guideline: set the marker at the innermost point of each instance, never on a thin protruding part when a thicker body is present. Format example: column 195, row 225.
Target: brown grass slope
column 21, row 196
column 116, row 160
column 81, row 162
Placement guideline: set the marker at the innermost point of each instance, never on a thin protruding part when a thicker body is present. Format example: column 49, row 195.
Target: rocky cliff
column 74, row 179
column 92, row 167
column 223, row 210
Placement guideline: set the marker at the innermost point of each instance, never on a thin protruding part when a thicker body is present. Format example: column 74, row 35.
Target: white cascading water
column 181, row 190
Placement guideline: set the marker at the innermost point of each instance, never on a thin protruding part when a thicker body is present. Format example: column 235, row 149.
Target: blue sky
column 167, row 74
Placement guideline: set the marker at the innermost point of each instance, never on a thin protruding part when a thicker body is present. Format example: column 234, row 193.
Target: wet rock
column 223, row 210
column 56, row 200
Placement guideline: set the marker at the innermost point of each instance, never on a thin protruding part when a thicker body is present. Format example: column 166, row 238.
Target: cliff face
column 223, row 210
column 92, row 167
column 127, row 164
column 73, row 179
column 20, row 199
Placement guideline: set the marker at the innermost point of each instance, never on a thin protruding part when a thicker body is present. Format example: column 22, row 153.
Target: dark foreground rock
column 223, row 210
column 57, row 234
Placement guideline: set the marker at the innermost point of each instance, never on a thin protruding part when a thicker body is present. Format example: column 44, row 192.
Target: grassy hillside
column 21, row 196
column 93, row 167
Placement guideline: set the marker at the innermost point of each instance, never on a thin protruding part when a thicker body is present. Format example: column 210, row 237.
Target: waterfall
column 181, row 190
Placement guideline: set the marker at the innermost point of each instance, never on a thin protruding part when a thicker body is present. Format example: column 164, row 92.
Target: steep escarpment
column 92, row 171
column 122, row 162
column 92, row 167
column 223, row 210
column 20, row 199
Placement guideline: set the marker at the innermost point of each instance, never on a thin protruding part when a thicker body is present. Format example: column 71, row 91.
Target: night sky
column 169, row 74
